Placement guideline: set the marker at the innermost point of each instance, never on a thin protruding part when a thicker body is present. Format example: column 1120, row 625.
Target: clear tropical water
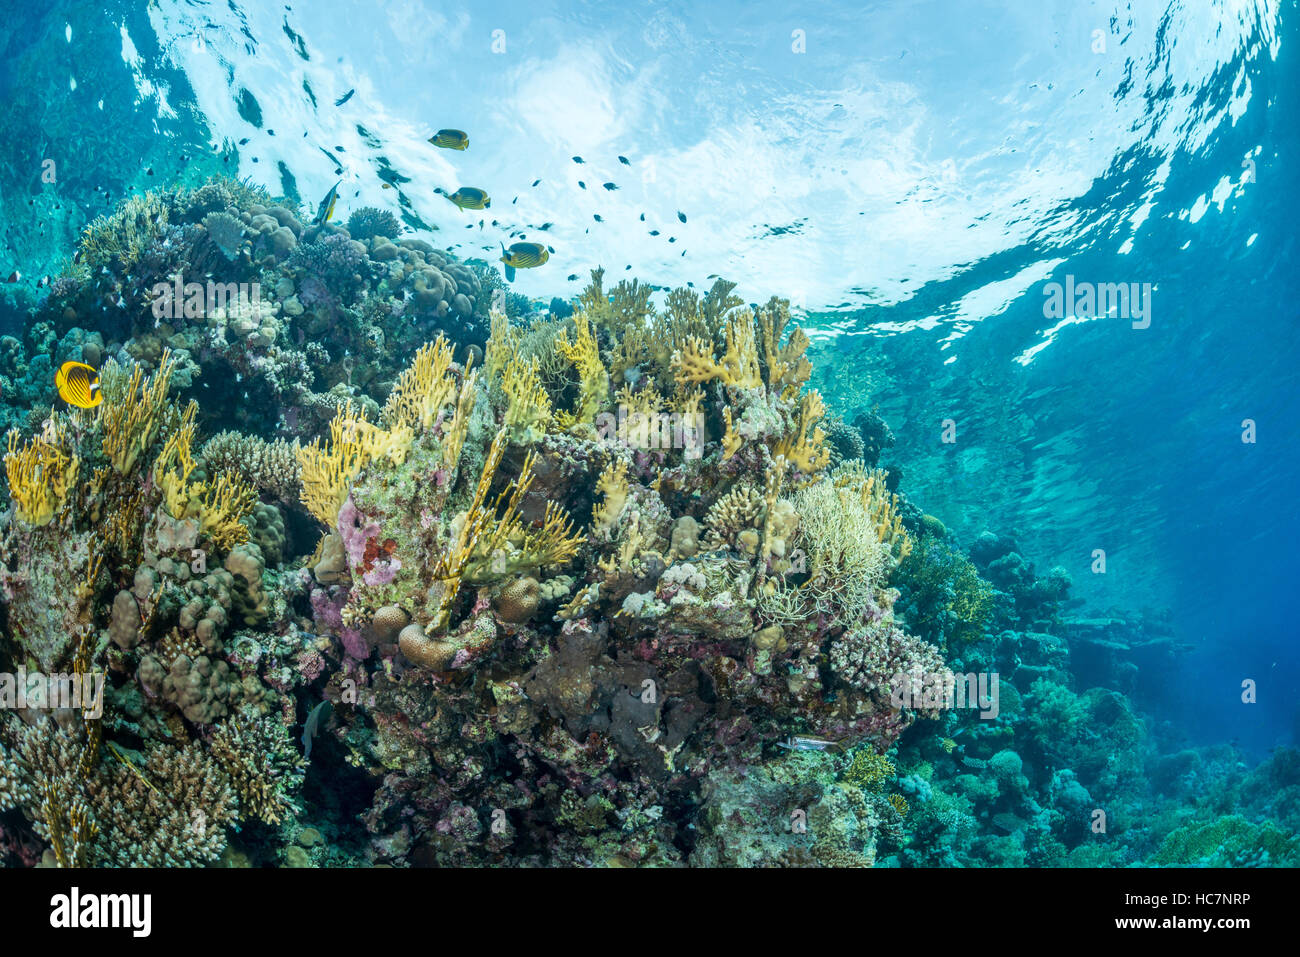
column 912, row 176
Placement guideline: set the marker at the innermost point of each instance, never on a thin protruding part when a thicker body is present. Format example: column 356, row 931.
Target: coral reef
column 606, row 583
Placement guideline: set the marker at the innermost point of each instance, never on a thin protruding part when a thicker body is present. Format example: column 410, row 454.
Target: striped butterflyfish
column 522, row 256
column 468, row 197
column 450, row 139
column 326, row 209
column 78, row 385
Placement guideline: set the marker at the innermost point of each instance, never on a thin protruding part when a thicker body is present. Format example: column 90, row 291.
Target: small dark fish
column 681, row 216
column 515, row 200
column 672, row 239
column 582, row 184
column 344, row 98
column 643, row 217
column 623, row 160
column 149, row 171
column 610, row 186
column 536, row 181
column 572, row 276
column 43, row 281
column 244, row 141
column 270, row 132
column 339, row 149
column 14, row 276
column 387, row 186
column 596, row 217
column 654, row 232
column 577, row 159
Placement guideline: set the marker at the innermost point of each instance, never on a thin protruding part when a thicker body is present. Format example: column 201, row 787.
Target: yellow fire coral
column 804, row 450
column 528, row 407
column 422, row 389
column 491, row 542
column 328, row 471
column 220, row 506
column 40, row 474
column 612, row 486
column 583, row 354
column 72, row 834
column 694, row 363
column 454, row 432
column 132, row 410
column 502, row 345
column 785, row 365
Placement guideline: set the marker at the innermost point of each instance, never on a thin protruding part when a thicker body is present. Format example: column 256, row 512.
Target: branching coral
column 868, row 770
column 121, row 237
column 270, row 467
column 71, row 831
column 258, row 756
column 694, row 363
column 528, row 407
column 422, row 389
column 948, row 603
column 171, row 812
column 503, row 345
column 847, row 562
column 593, row 382
column 613, row 488
column 784, row 366
column 491, row 542
column 370, row 221
column 132, row 410
column 804, row 446
column 220, row 506
column 328, row 471
column 225, row 231
column 733, row 514
column 873, row 495
column 40, row 474
column 455, row 430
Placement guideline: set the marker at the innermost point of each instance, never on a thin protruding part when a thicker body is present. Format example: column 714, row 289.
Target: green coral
column 868, row 770
column 947, row 602
column 1230, row 841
